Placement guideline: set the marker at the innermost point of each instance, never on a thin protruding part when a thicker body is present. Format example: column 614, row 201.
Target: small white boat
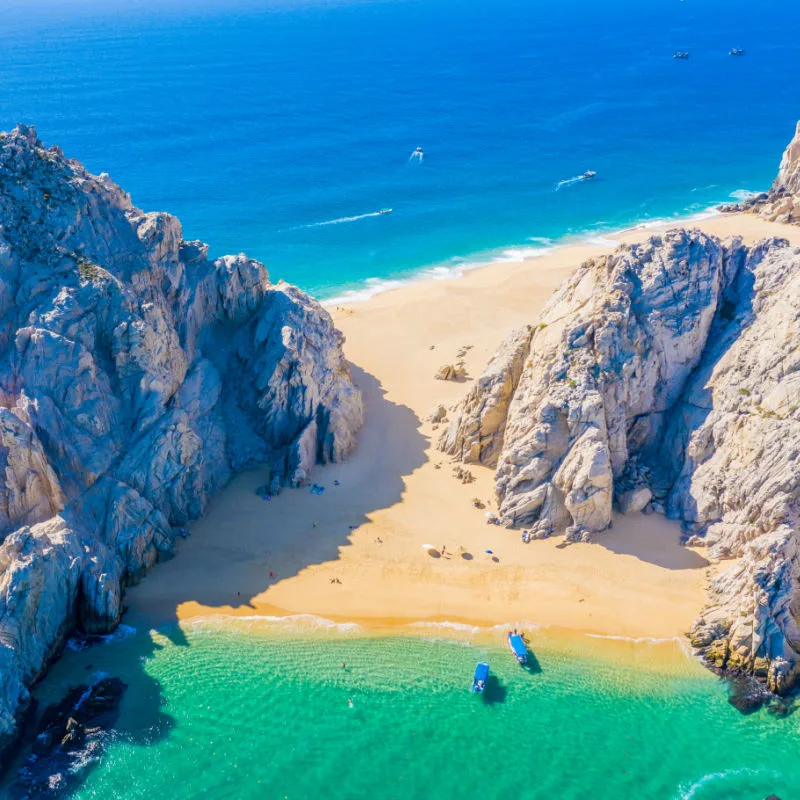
column 385, row 211
column 588, row 175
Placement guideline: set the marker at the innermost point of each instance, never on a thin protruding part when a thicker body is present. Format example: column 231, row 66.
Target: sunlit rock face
column 665, row 376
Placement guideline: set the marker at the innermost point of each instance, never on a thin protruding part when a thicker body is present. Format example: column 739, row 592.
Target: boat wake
column 339, row 220
column 688, row 792
column 586, row 176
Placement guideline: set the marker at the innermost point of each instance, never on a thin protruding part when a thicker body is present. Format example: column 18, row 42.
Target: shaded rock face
column 667, row 376
column 136, row 377
column 782, row 202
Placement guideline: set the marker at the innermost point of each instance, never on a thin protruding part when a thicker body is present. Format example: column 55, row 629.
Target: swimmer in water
column 417, row 155
column 350, row 702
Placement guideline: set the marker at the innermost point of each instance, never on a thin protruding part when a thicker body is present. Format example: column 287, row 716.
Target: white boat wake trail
column 570, row 181
column 695, row 789
column 338, row 221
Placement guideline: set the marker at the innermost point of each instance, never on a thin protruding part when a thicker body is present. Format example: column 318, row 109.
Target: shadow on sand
column 241, row 547
column 651, row 538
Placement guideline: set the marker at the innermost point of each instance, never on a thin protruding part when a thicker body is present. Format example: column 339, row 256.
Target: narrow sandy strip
column 397, row 493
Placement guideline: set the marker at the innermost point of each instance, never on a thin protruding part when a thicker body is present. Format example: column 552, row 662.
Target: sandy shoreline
column 248, row 557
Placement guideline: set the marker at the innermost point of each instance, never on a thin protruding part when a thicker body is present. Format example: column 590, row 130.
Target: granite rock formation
column 137, row 376
column 476, row 431
column 665, row 376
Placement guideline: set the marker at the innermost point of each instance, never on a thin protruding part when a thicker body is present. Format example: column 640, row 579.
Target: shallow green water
column 217, row 712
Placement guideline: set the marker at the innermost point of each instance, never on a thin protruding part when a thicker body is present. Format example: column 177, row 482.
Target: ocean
column 254, row 709
column 282, row 128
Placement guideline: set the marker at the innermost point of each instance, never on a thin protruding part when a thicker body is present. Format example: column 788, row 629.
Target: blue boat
column 481, row 676
column 517, row 646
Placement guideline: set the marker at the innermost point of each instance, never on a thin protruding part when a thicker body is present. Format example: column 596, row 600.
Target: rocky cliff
column 665, row 377
column 136, row 377
column 782, row 202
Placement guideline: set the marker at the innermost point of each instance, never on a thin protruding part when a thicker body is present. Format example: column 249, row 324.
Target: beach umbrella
column 429, row 547
column 490, row 552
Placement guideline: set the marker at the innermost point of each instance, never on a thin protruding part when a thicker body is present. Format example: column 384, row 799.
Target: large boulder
column 607, row 361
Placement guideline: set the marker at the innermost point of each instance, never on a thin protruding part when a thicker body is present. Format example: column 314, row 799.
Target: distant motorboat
column 385, row 211
column 584, row 176
column 735, row 51
column 681, row 55
column 481, row 676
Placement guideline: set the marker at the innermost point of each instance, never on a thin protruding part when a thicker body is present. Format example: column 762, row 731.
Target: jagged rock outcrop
column 736, row 440
column 475, row 433
column 667, row 376
column 136, row 377
column 782, row 202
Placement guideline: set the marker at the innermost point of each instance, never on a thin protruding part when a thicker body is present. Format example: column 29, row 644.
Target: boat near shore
column 480, row 678
column 516, row 644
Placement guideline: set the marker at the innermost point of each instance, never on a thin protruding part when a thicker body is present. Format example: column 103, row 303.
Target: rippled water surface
column 237, row 711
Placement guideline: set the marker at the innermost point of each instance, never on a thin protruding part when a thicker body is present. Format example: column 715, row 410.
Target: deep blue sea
column 256, row 121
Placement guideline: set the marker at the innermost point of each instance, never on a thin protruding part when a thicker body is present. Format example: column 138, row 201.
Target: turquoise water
column 239, row 712
column 255, row 121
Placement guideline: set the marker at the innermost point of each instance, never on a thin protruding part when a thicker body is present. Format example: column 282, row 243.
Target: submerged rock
column 69, row 739
column 137, row 376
